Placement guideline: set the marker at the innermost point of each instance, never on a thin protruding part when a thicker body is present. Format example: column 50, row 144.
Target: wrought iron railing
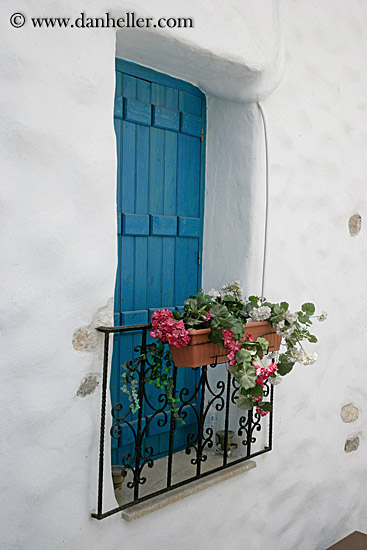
column 216, row 390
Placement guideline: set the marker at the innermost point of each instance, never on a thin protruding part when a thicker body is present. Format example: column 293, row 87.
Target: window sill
column 144, row 508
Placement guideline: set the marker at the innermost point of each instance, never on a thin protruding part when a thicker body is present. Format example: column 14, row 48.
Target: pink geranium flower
column 260, row 412
column 167, row 329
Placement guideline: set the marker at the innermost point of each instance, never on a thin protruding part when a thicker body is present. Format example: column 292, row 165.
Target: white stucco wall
column 58, row 250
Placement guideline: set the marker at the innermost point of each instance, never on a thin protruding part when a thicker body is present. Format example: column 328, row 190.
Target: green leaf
column 264, row 345
column 284, row 306
column 265, row 406
column 254, row 300
column 257, row 391
column 285, row 365
column 312, row 339
column 308, row 308
column 248, row 379
column 244, row 403
column 216, row 335
column 243, row 357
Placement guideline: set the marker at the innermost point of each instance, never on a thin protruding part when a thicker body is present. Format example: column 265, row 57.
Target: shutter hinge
column 199, row 258
column 202, row 134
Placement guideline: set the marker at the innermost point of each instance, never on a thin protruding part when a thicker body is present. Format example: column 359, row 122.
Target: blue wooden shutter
column 159, row 125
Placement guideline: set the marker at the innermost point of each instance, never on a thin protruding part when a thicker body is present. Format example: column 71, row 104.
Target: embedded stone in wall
column 351, row 444
column 355, row 223
column 87, row 338
column 84, row 340
column 349, row 413
column 87, row 386
column 104, row 315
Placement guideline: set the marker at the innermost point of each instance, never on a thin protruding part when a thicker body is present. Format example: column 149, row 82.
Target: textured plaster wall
column 58, row 249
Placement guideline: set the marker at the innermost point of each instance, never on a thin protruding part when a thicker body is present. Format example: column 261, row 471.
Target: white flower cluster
column 291, row 317
column 300, row 356
column 323, row 316
column 233, row 288
column 213, row 293
column 309, row 359
column 260, row 313
column 296, row 355
column 282, row 331
column 281, row 328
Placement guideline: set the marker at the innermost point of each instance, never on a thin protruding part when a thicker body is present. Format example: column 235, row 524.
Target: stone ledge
column 144, row 508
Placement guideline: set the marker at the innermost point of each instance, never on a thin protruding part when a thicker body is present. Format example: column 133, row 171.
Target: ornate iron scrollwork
column 220, row 396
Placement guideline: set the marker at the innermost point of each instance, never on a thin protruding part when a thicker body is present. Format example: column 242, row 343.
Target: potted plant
column 223, row 326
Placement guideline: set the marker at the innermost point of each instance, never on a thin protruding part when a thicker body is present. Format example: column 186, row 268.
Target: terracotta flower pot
column 263, row 329
column 201, row 351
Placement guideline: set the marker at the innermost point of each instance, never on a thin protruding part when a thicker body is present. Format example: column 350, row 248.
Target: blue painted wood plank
column 118, row 132
column 190, row 414
column 182, row 176
column 128, row 167
column 181, row 270
column 158, row 94
column 135, row 224
column 137, row 111
column 159, row 423
column 172, row 98
column 129, row 68
column 190, row 103
column 192, row 266
column 143, row 90
column 154, row 287
column 163, row 225
column 168, row 271
column 189, row 227
column 127, row 433
column 118, row 107
column 191, row 125
column 193, row 175
column 128, row 86
column 140, row 272
column 135, row 317
column 117, row 458
column 163, row 443
column 117, row 319
column 156, row 179
column 118, row 83
column 166, row 118
column 170, row 174
column 142, row 170
column 127, row 274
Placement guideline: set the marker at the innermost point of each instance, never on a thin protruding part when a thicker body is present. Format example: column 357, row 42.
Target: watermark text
column 128, row 21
